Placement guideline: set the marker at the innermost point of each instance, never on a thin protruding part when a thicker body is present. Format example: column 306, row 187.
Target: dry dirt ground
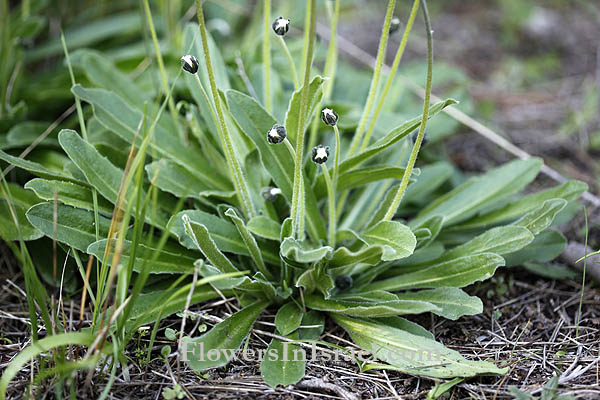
column 529, row 323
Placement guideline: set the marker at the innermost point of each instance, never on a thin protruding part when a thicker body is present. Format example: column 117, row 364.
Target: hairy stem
column 267, row 55
column 238, row 176
column 331, row 201
column 415, row 151
column 296, row 194
column 290, row 60
column 390, row 78
column 385, row 33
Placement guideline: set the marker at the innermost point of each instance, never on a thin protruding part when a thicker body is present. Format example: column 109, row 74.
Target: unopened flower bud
column 276, row 134
column 189, row 63
column 394, row 24
column 343, row 282
column 281, row 26
column 329, row 116
column 270, row 193
column 320, row 154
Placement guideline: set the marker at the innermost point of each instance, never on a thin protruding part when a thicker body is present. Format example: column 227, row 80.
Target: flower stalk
column 238, row 177
column 266, row 48
column 297, row 196
column 415, row 151
column 290, row 60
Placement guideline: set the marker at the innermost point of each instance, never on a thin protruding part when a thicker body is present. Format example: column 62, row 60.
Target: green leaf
column 206, row 271
column 215, row 348
column 315, row 94
column 391, row 138
column 541, row 218
column 343, row 257
column 453, row 302
column 204, row 242
column 433, row 226
column 551, row 271
column 359, row 177
column 431, row 178
column 284, row 363
column 360, row 308
column 405, row 325
column 411, row 353
column 315, row 278
column 36, row 168
column 314, row 319
column 396, row 239
column 288, row 318
column 500, row 240
column 74, row 226
column 264, row 227
column 118, row 116
column 255, row 122
column 458, row 272
column 174, row 179
column 68, row 193
column 20, row 200
column 249, row 241
column 569, row 191
column 481, row 191
column 167, row 262
column 148, row 305
column 295, row 251
column 545, row 247
column 25, row 133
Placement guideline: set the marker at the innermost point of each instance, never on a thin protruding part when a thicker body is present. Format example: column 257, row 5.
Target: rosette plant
column 218, row 197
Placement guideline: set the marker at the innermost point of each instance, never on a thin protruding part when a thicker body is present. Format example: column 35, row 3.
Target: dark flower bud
column 189, row 63
column 320, row 154
column 276, row 134
column 343, row 282
column 269, row 193
column 414, row 135
column 329, row 116
column 281, row 26
column 394, row 24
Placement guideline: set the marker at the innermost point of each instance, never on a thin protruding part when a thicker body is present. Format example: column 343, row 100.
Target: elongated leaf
column 569, row 191
column 458, row 272
column 479, row 192
column 147, row 305
column 411, row 353
column 314, row 319
column 204, row 242
column 166, row 262
column 36, row 168
column 248, row 239
column 381, row 308
column 405, row 325
column 431, row 178
column 118, row 116
column 103, row 73
column 541, row 218
column 359, row 177
column 397, row 239
column 25, row 133
column 217, row 347
column 173, row 178
column 343, row 257
column 500, row 240
column 453, row 302
column 20, row 201
column 68, row 193
column 315, row 94
column 74, row 226
column 288, row 318
column 391, row 138
column 545, row 247
column 276, row 159
column 284, row 363
column 264, row 227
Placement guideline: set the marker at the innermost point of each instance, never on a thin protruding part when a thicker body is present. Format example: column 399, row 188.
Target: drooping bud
column 276, row 134
column 394, row 24
column 281, row 26
column 329, row 116
column 189, row 63
column 320, row 154
column 270, row 193
column 343, row 282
